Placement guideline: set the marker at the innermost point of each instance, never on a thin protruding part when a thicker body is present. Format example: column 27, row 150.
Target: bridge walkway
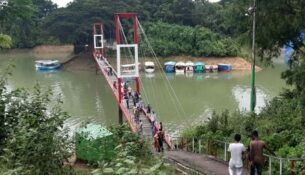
column 128, row 113
column 199, row 163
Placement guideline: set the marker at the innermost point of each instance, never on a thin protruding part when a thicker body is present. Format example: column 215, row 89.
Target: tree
column 5, row 41
column 32, row 138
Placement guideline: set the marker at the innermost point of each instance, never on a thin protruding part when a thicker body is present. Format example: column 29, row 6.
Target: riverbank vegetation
column 41, row 22
column 33, row 139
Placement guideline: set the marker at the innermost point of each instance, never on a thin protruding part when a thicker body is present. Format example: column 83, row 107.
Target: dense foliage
column 32, row 138
column 132, row 156
column 169, row 39
column 44, row 23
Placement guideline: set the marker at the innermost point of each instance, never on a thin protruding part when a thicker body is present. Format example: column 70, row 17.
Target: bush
column 32, row 140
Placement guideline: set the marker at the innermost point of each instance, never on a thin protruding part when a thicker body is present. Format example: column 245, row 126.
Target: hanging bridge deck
column 128, row 113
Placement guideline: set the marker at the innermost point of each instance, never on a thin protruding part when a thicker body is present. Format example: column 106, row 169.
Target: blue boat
column 169, row 67
column 47, row 64
column 199, row 67
column 224, row 67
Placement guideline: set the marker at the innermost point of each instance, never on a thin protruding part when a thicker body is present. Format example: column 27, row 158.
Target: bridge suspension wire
column 166, row 86
column 151, row 84
column 125, row 39
column 170, row 87
column 167, row 83
column 130, row 55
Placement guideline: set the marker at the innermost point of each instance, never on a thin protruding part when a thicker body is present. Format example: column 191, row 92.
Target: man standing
column 236, row 163
column 256, row 157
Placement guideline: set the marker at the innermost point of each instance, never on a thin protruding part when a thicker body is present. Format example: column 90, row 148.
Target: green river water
column 179, row 101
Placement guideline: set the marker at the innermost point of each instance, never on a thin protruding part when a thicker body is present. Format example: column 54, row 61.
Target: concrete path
column 199, row 162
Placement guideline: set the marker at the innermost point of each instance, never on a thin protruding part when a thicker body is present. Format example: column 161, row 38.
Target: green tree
column 32, row 139
column 5, row 41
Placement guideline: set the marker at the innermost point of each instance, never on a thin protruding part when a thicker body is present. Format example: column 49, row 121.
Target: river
column 179, row 101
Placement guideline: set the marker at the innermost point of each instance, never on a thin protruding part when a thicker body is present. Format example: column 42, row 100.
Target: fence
column 218, row 150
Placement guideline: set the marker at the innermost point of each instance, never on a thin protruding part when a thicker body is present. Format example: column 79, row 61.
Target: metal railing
column 217, row 149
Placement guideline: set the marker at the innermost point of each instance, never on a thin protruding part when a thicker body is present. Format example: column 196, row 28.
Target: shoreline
column 66, row 55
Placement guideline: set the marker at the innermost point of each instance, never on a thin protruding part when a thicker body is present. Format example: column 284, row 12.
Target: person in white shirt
column 236, row 163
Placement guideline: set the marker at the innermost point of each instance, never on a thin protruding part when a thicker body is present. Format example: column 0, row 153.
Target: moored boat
column 149, row 67
column 180, row 67
column 47, row 64
column 211, row 68
column 189, row 67
column 199, row 67
column 169, row 67
column 224, row 67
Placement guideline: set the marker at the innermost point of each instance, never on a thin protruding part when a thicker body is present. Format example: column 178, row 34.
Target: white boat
column 149, row 67
column 128, row 68
column 47, row 64
column 189, row 67
column 180, row 67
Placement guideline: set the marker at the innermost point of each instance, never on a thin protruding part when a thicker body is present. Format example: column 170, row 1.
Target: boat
column 180, row 67
column 189, row 67
column 211, row 68
column 128, row 69
column 199, row 67
column 169, row 67
column 149, row 67
column 47, row 64
column 224, row 67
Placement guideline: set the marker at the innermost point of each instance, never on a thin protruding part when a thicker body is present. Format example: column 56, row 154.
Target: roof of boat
column 189, row 63
column 128, row 65
column 170, row 63
column 222, row 64
column 199, row 63
column 149, row 63
column 180, row 63
column 47, row 61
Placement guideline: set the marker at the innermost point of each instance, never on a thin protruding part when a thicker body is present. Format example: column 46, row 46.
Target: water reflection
column 242, row 97
column 47, row 71
column 149, row 75
column 200, row 76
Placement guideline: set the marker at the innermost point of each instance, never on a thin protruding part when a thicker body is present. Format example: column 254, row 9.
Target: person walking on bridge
column 237, row 149
column 160, row 139
column 256, row 158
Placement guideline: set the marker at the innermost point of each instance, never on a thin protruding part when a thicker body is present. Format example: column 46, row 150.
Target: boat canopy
column 189, row 64
column 222, row 64
column 128, row 65
column 199, row 64
column 170, row 63
column 47, row 62
column 149, row 63
column 180, row 63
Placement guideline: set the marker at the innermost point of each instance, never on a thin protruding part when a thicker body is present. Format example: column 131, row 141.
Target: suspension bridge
column 195, row 156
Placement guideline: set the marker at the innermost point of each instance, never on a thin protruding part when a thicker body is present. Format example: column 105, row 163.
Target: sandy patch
column 59, row 52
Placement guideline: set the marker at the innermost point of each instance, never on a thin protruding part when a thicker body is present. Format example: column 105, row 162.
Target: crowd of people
column 138, row 106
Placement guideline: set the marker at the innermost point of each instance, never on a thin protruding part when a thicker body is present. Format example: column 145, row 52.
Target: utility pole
column 253, row 90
